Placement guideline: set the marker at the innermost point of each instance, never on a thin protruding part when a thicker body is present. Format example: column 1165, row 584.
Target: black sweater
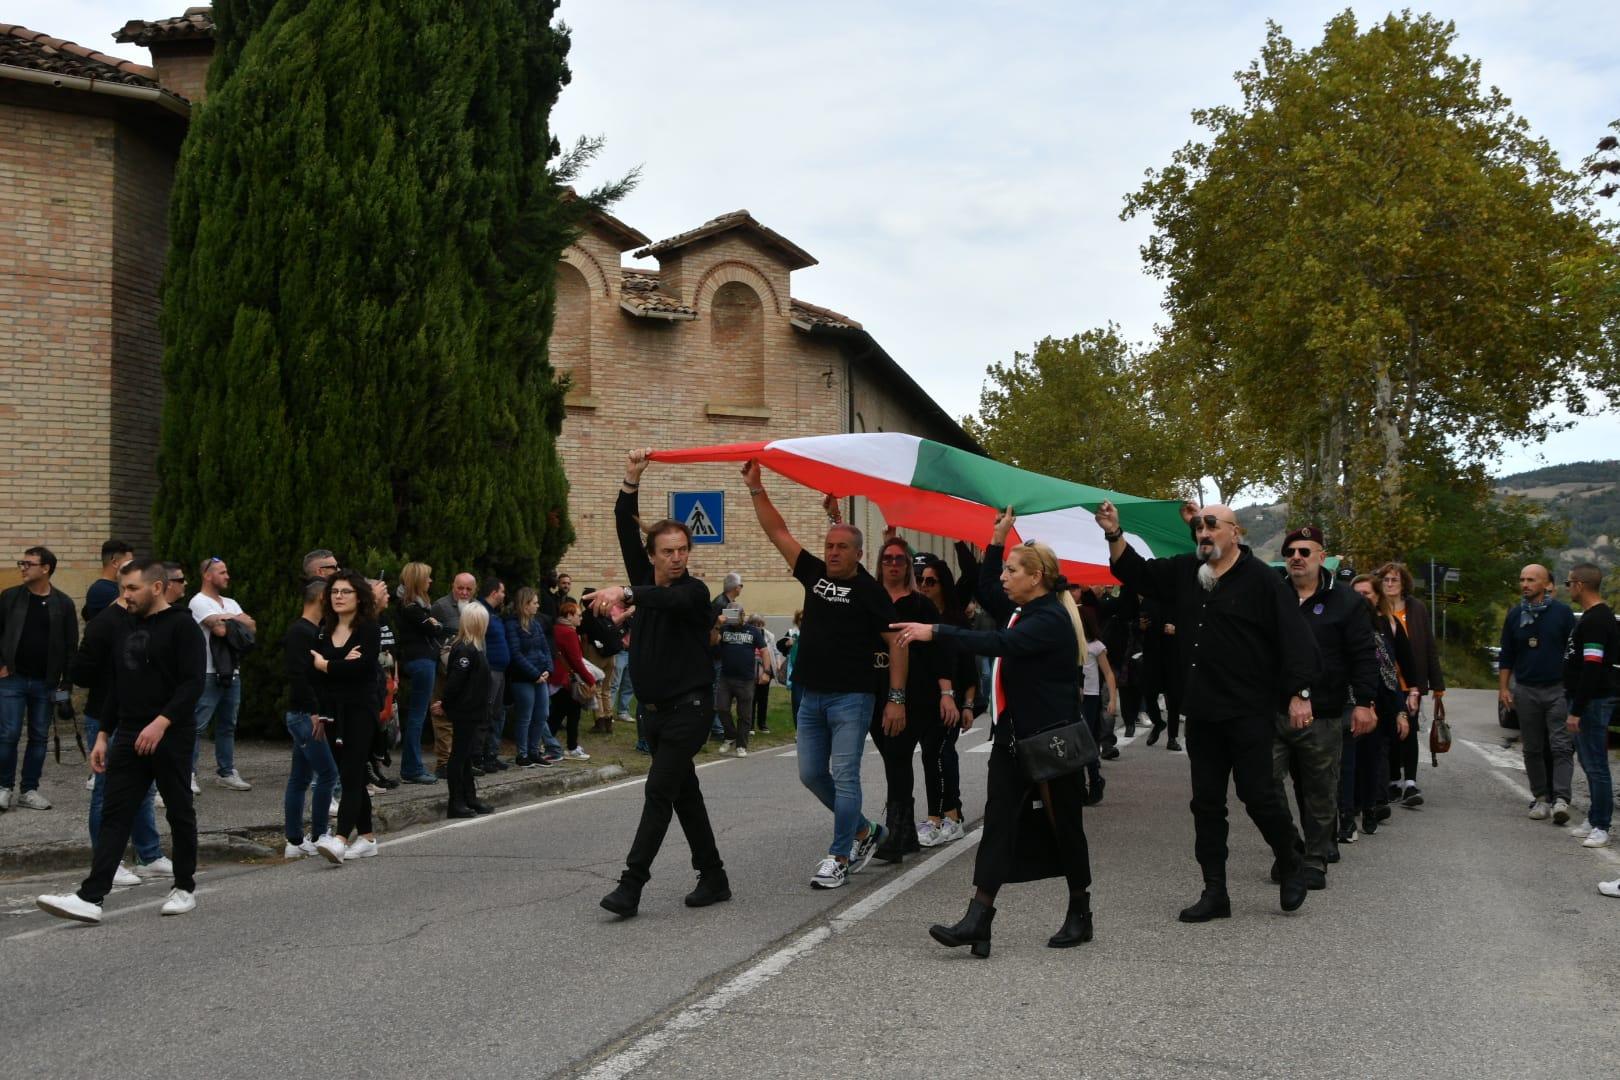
column 92, row 663
column 669, row 628
column 348, row 682
column 466, row 681
column 158, row 664
column 302, row 637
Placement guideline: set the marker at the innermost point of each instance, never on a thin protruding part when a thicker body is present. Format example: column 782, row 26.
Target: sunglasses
column 1211, row 522
column 177, row 581
column 1302, row 552
column 896, row 559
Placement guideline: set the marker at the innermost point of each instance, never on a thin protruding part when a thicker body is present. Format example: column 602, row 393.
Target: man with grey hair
column 320, row 563
column 844, row 646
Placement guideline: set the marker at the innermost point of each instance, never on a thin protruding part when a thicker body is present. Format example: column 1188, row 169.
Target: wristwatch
column 1305, row 693
column 629, row 596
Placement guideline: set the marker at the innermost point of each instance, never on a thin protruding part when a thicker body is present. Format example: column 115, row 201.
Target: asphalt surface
column 1460, row 940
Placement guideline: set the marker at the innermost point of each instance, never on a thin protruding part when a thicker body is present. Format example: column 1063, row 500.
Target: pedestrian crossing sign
column 702, row 512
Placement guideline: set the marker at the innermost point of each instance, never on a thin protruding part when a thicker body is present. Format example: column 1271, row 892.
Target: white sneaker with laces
column 196, row 788
column 1560, row 812
column 1540, row 811
column 1598, row 838
column 578, row 754
column 865, row 847
column 124, row 877
column 361, row 849
column 830, row 874
column 234, row 781
column 331, row 848
column 161, row 866
column 742, row 751
column 179, row 902
column 69, row 906
column 927, row 833
column 726, row 748
column 290, row 850
column 33, row 800
column 1610, row 888
column 950, row 829
column 1583, row 830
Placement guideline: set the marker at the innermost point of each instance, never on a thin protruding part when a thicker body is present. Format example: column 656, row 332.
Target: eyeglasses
column 177, row 581
column 1301, row 552
column 1211, row 522
column 24, row 564
column 896, row 560
column 342, row 592
column 1390, row 579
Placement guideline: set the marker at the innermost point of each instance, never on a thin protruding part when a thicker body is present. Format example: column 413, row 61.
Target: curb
column 235, row 842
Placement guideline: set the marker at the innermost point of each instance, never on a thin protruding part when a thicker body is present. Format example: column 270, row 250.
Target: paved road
column 1461, row 940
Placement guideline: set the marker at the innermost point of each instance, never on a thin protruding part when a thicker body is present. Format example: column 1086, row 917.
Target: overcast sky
column 959, row 168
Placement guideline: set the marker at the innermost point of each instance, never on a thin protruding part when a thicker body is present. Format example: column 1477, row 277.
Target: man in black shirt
column 38, row 632
column 147, row 735
column 1248, row 657
column 104, row 590
column 1592, row 681
column 311, row 753
column 844, row 647
column 670, row 667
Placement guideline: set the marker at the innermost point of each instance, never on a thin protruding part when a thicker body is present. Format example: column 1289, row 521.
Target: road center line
column 57, row 925
column 700, row 1012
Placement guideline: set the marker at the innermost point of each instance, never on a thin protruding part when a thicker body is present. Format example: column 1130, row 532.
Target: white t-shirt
column 203, row 607
column 1093, row 684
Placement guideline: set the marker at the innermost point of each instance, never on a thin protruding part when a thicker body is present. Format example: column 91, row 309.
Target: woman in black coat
column 1031, row 831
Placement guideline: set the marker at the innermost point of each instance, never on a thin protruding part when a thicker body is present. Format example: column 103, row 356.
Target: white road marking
column 1490, row 754
column 66, row 924
column 640, row 1052
column 1499, row 756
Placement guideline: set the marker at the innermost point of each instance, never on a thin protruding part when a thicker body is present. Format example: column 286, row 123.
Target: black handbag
column 1055, row 752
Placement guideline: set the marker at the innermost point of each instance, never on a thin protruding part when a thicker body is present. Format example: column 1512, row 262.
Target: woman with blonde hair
column 467, row 686
column 1032, row 830
column 420, row 637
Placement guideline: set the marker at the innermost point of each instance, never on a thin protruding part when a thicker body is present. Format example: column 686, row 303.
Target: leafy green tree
column 1373, row 248
column 360, row 290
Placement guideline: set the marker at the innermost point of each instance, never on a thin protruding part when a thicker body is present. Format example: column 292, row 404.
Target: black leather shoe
column 1315, row 880
column 1076, row 928
column 479, row 806
column 1095, row 795
column 1333, row 855
column 460, row 810
column 1369, row 822
column 1173, row 745
column 625, row 899
column 892, row 846
column 1293, row 891
column 1153, row 736
column 1109, row 753
column 1276, row 872
column 712, row 888
column 974, row 930
column 1213, row 904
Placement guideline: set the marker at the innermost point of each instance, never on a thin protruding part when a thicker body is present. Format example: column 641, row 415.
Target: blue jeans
column 1592, row 746
column 219, row 704
column 831, row 738
column 531, row 705
column 22, row 696
column 311, row 759
column 144, row 835
column 623, row 688
column 419, row 677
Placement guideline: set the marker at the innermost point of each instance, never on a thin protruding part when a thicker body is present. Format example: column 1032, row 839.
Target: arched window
column 571, row 334
column 737, row 336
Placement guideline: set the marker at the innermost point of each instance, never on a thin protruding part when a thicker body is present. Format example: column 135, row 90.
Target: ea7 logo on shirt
column 831, row 592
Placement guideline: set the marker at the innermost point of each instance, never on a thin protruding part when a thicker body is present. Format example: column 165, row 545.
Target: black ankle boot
column 974, row 930
column 892, row 847
column 460, row 810
column 1158, row 729
column 908, row 827
column 625, row 899
column 712, row 888
column 1076, row 928
column 1213, row 904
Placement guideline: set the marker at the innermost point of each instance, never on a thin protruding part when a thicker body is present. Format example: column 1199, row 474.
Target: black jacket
column 418, row 638
column 1337, row 616
column 92, row 663
column 466, row 681
column 1244, row 646
column 1040, row 665
column 669, row 628
column 64, row 631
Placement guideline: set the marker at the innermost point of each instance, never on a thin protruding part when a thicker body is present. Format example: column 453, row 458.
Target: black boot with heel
column 1076, row 928
column 974, row 930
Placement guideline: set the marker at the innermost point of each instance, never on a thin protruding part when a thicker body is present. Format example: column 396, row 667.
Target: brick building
column 711, row 347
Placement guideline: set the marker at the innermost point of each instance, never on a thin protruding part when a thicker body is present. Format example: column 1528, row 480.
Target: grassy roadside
column 620, row 747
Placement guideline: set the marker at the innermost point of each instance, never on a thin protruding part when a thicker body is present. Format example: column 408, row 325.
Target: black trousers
column 762, row 704
column 897, row 750
column 942, row 778
column 467, row 732
column 129, row 777
column 675, row 732
column 1237, row 750
column 351, row 728
column 565, row 716
column 1403, row 753
column 997, row 861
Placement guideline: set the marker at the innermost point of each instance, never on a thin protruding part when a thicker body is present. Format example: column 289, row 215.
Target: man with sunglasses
column 39, row 631
column 1342, row 697
column 1249, row 660
column 222, row 693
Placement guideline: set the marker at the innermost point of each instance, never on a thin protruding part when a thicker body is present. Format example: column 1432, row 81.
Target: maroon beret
column 1304, row 532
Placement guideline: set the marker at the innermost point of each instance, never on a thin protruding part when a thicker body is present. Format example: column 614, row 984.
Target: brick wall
column 182, row 67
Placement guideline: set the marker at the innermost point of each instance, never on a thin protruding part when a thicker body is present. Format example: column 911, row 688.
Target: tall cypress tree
column 364, row 240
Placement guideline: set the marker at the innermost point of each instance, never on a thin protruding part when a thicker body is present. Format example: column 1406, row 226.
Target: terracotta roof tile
column 793, row 255
column 197, row 24
column 806, row 316
column 640, row 296
column 25, row 48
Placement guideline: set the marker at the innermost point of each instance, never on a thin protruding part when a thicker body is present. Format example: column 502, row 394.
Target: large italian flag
column 938, row 489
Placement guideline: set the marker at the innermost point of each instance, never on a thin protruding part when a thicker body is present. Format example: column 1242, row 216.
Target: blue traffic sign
column 703, row 513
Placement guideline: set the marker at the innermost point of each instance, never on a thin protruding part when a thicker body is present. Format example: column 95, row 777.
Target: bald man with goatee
column 1249, row 659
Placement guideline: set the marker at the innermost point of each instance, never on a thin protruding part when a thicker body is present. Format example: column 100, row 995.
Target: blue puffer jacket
column 496, row 648
column 531, row 651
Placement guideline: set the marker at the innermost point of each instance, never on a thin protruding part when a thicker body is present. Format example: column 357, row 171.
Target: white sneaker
column 625, row 718
column 830, row 874
column 33, row 800
column 158, row 867
column 196, row 788
column 69, row 906
column 124, row 877
column 950, row 829
column 1607, row 888
column 290, row 850
column 1598, row 838
column 1540, row 811
column 331, row 848
column 234, row 781
column 726, row 748
column 332, row 811
column 927, row 833
column 361, row 849
column 1560, row 812
column 1583, row 830
column 179, row 902
column 5, row 798
column 90, row 782
column 742, row 751
column 578, row 754
column 864, row 849
column 373, row 790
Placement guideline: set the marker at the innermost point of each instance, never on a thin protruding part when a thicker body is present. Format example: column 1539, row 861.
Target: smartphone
column 734, row 615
